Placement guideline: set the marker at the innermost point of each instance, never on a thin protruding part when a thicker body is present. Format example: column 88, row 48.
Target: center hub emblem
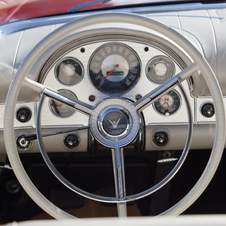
column 114, row 122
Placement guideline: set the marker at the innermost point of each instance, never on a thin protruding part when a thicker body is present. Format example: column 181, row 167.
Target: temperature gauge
column 69, row 71
column 168, row 104
column 160, row 69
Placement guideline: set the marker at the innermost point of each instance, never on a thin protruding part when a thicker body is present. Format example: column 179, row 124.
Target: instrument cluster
column 130, row 70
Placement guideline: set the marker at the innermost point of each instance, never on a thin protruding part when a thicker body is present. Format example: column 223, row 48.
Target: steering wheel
column 127, row 111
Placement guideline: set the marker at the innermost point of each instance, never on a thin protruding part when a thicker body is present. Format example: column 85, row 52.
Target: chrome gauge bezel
column 154, row 58
column 68, row 58
column 178, row 94
column 57, row 115
column 126, row 46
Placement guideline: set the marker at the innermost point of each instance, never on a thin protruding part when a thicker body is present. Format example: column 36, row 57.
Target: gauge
column 69, row 71
column 160, row 69
column 168, row 104
column 60, row 109
column 114, row 68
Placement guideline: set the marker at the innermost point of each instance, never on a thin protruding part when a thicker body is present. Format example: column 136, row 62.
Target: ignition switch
column 22, row 143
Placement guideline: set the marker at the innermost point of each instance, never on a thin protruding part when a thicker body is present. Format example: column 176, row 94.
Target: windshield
column 12, row 10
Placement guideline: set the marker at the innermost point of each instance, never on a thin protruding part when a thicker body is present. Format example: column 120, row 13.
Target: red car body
column 12, row 10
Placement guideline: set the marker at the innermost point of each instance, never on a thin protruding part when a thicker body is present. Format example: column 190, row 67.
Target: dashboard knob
column 207, row 110
column 160, row 138
column 71, row 140
column 22, row 143
column 23, row 114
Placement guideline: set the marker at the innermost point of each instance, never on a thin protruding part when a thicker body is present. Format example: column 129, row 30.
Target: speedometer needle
column 116, row 66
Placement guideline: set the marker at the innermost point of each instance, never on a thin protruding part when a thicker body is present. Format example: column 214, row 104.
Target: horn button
column 114, row 122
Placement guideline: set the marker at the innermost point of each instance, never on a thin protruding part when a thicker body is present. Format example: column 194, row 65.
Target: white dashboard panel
column 207, row 23
column 85, row 88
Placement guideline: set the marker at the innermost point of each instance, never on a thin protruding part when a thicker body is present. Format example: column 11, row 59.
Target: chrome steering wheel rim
column 199, row 63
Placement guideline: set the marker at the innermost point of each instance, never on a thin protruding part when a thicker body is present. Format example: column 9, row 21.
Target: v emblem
column 114, row 123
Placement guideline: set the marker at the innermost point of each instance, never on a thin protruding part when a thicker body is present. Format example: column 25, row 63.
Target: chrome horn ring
column 116, row 143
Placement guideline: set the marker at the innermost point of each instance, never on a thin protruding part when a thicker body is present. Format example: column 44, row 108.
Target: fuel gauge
column 168, row 104
column 69, row 71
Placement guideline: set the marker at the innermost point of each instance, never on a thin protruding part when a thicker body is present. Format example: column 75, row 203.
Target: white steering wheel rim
column 113, row 18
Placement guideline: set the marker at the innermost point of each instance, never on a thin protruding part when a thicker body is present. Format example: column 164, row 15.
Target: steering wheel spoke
column 155, row 94
column 119, row 178
column 76, row 104
column 36, row 86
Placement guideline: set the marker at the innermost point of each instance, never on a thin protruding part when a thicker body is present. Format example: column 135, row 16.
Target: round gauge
column 114, row 68
column 168, row 104
column 69, row 71
column 59, row 109
column 160, row 69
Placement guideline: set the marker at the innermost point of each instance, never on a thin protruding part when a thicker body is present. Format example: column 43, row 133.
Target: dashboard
column 101, row 69
column 114, row 63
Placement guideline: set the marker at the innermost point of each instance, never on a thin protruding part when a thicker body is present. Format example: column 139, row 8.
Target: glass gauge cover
column 69, row 71
column 59, row 109
column 168, row 104
column 160, row 69
column 114, row 68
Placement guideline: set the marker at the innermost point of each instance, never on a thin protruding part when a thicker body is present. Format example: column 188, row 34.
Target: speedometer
column 114, row 68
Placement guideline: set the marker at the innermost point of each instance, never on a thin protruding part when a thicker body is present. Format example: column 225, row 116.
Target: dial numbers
column 114, row 68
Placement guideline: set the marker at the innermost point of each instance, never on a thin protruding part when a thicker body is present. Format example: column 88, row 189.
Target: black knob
column 71, row 141
column 23, row 114
column 160, row 138
column 207, row 110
